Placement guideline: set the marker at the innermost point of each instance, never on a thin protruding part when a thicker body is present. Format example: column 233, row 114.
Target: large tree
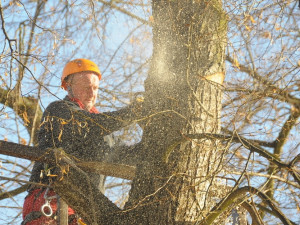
column 189, row 169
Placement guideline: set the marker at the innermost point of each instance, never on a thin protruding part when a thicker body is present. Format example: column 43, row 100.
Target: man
column 76, row 126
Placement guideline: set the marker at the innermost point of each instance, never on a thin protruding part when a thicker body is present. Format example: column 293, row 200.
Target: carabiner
column 46, row 209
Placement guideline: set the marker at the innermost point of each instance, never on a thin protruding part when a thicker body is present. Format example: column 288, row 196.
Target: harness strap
column 31, row 216
column 38, row 194
column 34, row 215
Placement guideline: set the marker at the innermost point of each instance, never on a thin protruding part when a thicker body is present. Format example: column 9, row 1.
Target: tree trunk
column 176, row 183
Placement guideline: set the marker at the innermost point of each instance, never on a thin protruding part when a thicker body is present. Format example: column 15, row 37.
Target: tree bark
column 178, row 184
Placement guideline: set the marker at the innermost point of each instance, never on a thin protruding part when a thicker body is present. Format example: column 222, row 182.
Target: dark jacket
column 79, row 133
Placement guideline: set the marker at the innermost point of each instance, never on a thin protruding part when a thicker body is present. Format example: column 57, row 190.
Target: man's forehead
column 85, row 76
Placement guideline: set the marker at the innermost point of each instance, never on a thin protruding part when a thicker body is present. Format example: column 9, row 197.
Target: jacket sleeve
column 78, row 132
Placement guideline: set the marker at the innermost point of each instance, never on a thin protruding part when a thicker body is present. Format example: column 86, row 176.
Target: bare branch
column 251, row 145
column 284, row 180
column 14, row 192
column 285, row 131
column 122, row 10
column 279, row 143
column 265, row 209
column 256, row 220
column 4, row 30
column 237, row 197
column 28, row 110
column 281, row 94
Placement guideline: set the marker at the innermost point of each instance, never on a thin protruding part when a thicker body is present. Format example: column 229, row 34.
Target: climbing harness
column 34, row 215
column 45, row 210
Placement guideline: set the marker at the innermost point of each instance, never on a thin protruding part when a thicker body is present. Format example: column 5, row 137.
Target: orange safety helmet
column 76, row 66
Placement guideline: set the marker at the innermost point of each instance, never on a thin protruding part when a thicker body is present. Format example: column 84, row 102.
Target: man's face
column 84, row 86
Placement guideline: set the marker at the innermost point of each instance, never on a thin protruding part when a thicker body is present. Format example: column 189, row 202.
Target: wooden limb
column 254, row 147
column 77, row 191
column 295, row 173
column 256, row 220
column 36, row 154
column 62, row 212
column 28, row 110
column 4, row 30
column 24, row 152
column 279, row 143
column 281, row 94
column 251, row 145
column 122, row 10
column 285, row 131
column 265, row 209
column 278, row 178
column 76, row 187
column 10, row 194
column 238, row 197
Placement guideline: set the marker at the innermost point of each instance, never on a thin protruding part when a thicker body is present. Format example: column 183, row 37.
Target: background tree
column 253, row 157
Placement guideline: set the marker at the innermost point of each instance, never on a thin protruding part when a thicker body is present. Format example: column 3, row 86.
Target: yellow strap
column 81, row 222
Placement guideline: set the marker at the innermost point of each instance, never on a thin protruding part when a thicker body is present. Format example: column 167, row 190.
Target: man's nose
column 90, row 92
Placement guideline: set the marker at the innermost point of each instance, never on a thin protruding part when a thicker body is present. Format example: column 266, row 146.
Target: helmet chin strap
column 69, row 87
column 70, row 92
